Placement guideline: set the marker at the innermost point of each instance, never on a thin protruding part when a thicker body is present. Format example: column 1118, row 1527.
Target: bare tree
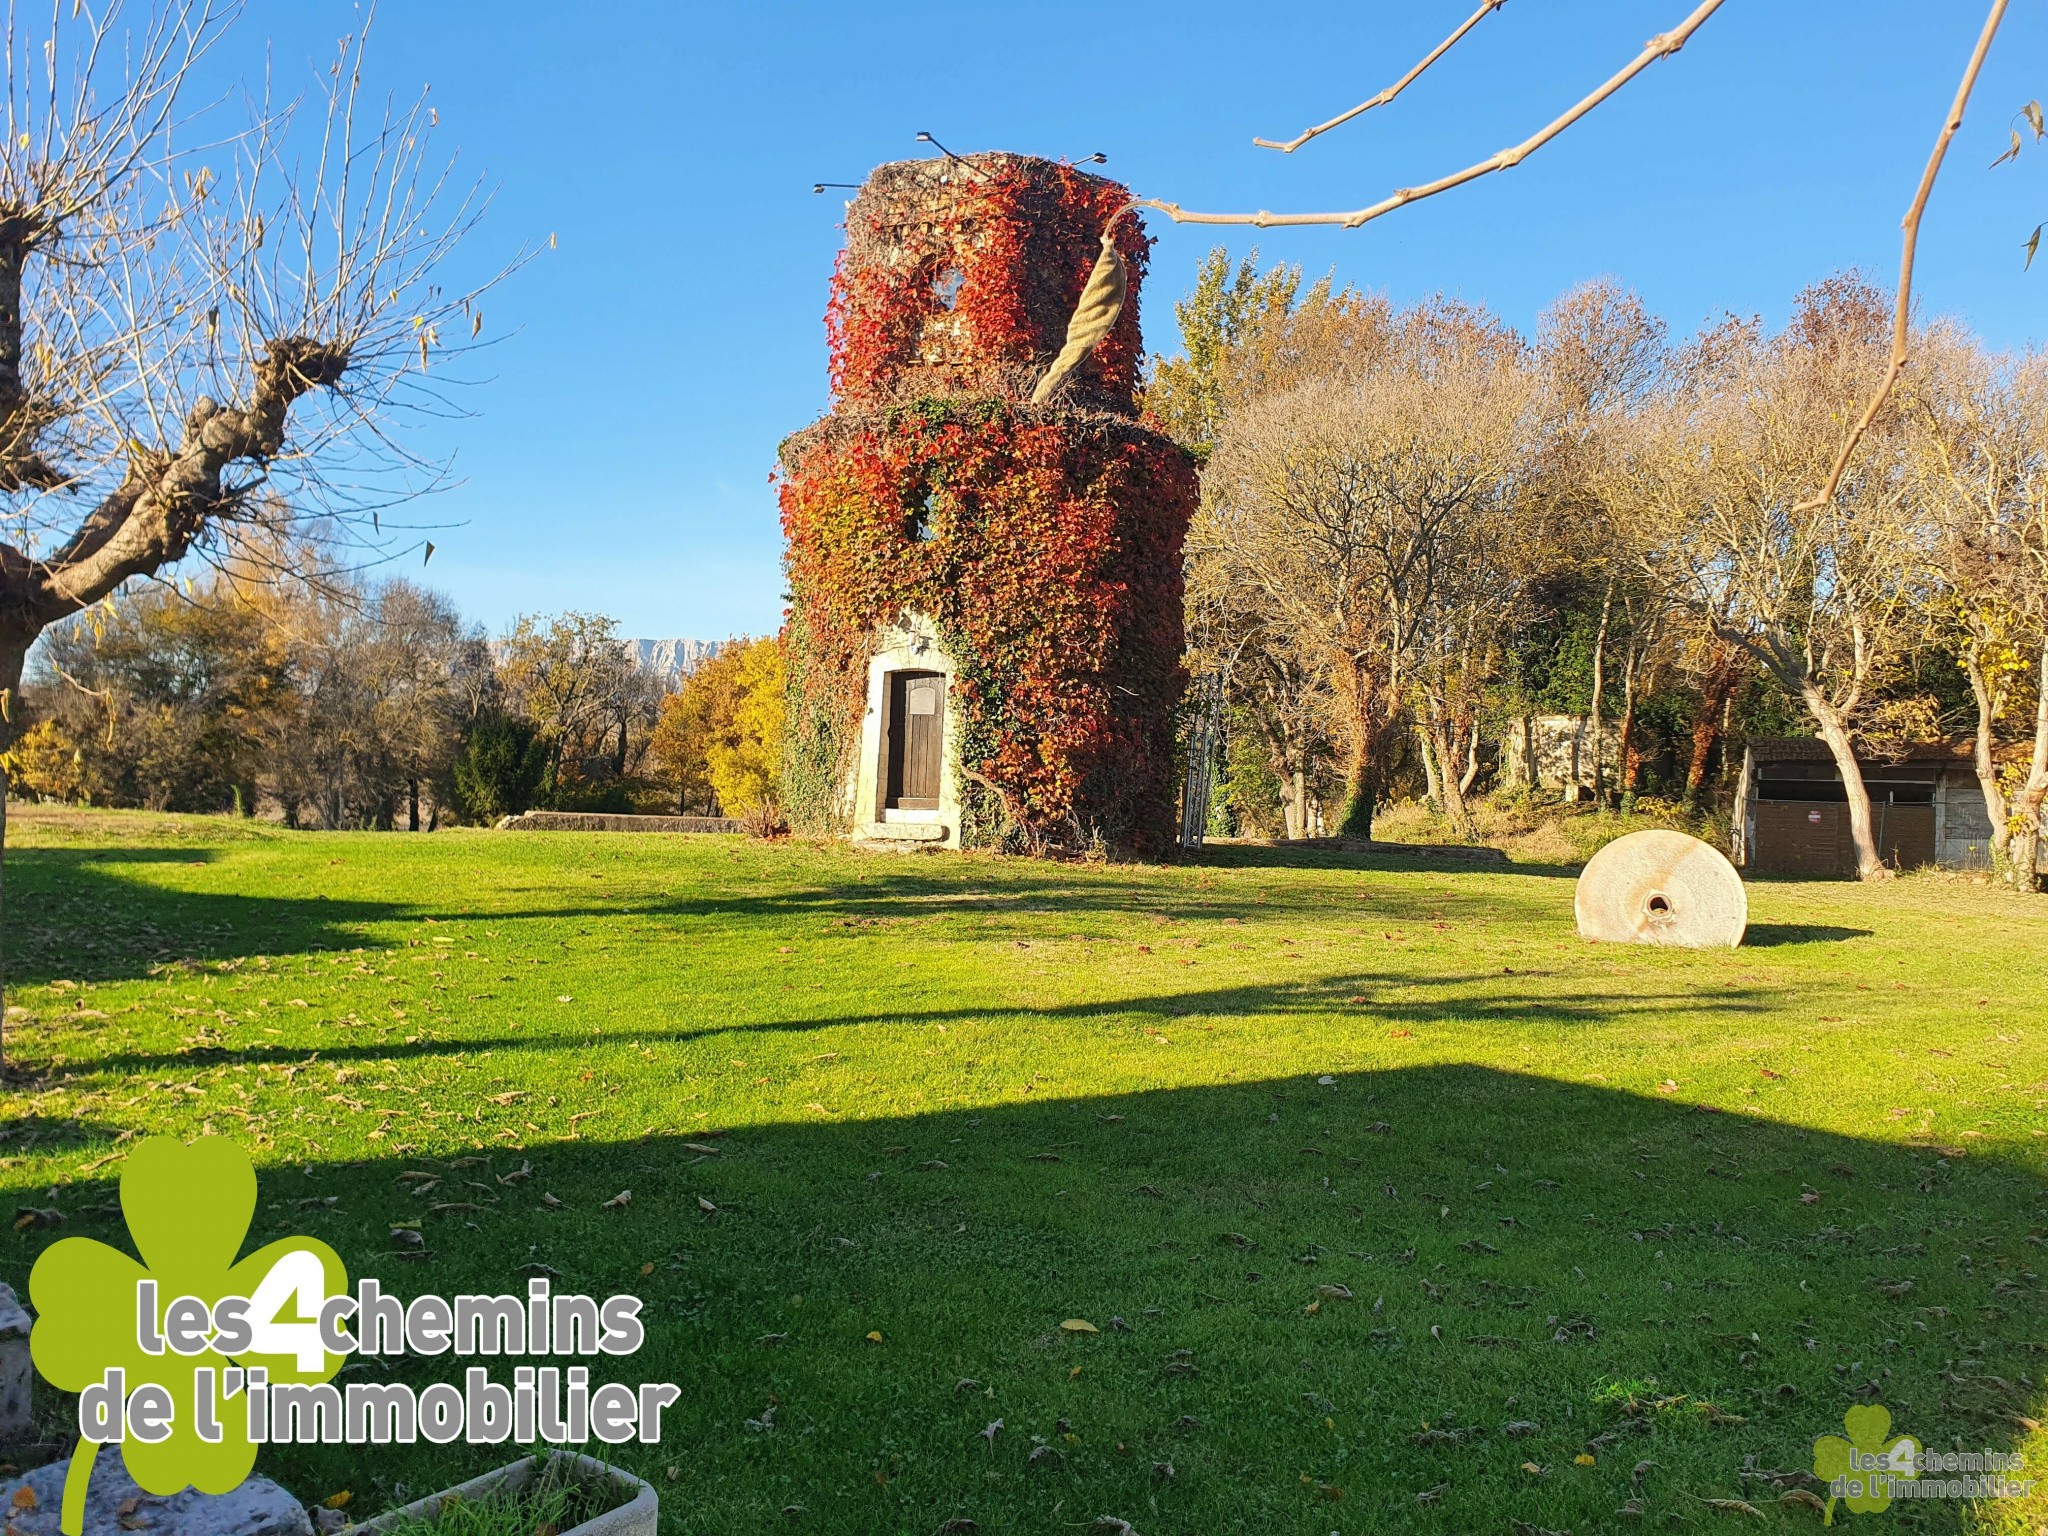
column 1980, row 465
column 1821, row 592
column 582, row 688
column 1373, row 520
column 1598, row 353
column 204, row 325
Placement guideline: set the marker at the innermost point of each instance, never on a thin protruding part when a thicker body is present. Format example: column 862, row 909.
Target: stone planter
column 636, row 1517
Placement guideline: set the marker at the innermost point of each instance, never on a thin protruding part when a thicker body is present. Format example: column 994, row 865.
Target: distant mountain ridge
column 673, row 659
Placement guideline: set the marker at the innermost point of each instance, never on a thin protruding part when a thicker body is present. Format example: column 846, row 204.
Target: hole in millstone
column 1659, row 907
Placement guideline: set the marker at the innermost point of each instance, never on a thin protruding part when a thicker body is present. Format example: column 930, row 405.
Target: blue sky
column 618, row 460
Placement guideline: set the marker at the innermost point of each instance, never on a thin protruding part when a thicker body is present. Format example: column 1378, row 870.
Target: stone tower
column 985, row 627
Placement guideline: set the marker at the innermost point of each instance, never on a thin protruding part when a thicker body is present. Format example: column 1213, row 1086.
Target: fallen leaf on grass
column 703, row 1205
column 550, row 1201
column 701, row 1149
column 1732, row 1507
column 1804, row 1499
column 874, row 1336
column 336, row 1500
column 1431, row 1495
column 29, row 1217
column 24, row 1497
column 1079, row 1325
column 1334, row 1292
column 618, row 1202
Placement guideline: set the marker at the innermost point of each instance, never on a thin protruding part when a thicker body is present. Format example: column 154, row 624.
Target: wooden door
column 917, row 728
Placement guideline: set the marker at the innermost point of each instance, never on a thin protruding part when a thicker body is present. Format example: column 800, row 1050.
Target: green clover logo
column 187, row 1209
column 1864, row 1460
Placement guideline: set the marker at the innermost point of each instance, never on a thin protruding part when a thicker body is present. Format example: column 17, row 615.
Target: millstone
column 1662, row 888
column 114, row 1504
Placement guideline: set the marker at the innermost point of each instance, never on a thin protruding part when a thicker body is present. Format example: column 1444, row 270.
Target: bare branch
column 1901, row 353
column 1289, row 146
column 1661, row 46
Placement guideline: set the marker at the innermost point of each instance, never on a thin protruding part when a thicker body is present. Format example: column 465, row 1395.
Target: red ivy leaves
column 1052, row 568
column 1001, row 226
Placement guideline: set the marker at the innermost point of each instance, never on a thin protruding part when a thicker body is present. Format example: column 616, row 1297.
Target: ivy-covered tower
column 986, row 628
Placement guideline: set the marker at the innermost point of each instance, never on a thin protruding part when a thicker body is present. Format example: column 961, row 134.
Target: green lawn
column 1588, row 1202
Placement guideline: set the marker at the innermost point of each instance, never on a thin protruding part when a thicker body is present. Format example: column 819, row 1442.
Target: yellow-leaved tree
column 719, row 740
column 744, row 760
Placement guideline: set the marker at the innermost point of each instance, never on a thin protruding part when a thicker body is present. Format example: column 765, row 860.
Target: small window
column 917, row 523
column 947, row 285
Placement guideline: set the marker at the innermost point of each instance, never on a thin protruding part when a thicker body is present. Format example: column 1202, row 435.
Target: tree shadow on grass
column 1313, row 1301
column 71, row 915
column 1360, row 998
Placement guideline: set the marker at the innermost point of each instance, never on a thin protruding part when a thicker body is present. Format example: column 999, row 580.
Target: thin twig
column 1908, row 245
column 1661, row 46
column 1291, row 145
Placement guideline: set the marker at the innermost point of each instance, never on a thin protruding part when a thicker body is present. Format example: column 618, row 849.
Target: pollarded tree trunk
column 1834, row 731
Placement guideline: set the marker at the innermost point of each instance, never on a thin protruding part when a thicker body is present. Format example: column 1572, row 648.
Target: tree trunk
column 1987, row 769
column 1715, row 691
column 1471, row 774
column 1361, row 779
column 13, row 655
column 1455, row 809
column 412, row 805
column 1625, row 744
column 1599, row 687
column 2023, row 854
column 1834, row 731
column 1300, row 800
column 1434, row 779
